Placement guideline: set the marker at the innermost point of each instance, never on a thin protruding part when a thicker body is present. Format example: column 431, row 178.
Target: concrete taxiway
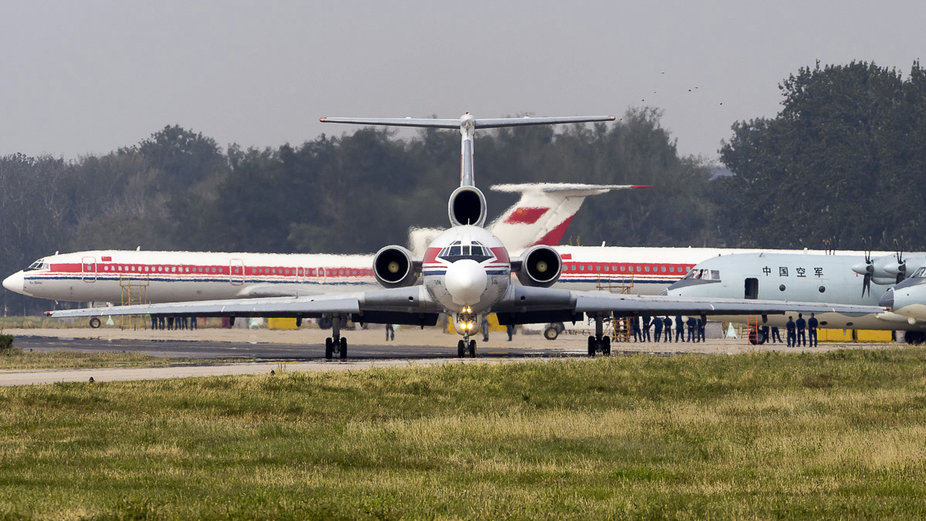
column 302, row 350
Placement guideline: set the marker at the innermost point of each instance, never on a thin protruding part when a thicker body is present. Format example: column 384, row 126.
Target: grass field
column 12, row 359
column 837, row 435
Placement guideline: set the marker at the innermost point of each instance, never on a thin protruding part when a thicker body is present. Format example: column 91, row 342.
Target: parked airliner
column 465, row 273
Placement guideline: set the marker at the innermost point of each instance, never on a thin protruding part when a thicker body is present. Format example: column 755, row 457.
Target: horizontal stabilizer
column 477, row 122
column 564, row 189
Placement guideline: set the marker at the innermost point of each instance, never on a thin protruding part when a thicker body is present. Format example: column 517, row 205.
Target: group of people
column 171, row 323
column 798, row 331
column 662, row 329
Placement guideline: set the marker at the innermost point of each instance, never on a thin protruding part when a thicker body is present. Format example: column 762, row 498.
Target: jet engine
column 540, row 266
column 467, row 205
column 394, row 267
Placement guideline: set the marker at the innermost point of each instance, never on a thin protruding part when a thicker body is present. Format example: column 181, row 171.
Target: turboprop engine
column 394, row 266
column 540, row 266
column 467, row 205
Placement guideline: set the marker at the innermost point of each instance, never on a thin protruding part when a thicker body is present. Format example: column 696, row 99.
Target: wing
column 409, row 305
column 529, row 304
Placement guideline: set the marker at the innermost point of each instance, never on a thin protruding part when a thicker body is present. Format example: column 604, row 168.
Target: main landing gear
column 336, row 345
column 599, row 342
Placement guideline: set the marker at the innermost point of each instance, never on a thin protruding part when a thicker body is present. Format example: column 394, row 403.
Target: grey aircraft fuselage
column 797, row 277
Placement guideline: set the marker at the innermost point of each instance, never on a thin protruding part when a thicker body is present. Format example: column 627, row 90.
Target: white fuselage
column 466, row 269
column 122, row 276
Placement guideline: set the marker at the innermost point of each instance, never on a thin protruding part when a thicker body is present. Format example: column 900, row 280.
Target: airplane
column 907, row 298
column 465, row 273
column 540, row 216
column 830, row 278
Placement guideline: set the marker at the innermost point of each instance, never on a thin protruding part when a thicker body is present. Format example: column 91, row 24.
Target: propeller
column 867, row 269
column 901, row 262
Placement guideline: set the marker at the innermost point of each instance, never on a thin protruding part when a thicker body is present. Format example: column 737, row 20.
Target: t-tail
column 467, row 204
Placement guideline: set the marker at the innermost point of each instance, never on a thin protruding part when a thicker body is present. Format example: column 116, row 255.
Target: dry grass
column 837, row 435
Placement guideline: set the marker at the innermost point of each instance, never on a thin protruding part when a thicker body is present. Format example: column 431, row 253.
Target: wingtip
column 612, row 118
column 323, row 118
column 641, row 186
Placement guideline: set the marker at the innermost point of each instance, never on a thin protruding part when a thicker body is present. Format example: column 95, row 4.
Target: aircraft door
column 236, row 272
column 88, row 269
column 752, row 289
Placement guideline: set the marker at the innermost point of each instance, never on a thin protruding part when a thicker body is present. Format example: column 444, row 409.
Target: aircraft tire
column 343, row 348
column 591, row 346
column 472, row 349
column 461, row 349
column 324, row 323
column 551, row 332
column 94, row 322
column 329, row 348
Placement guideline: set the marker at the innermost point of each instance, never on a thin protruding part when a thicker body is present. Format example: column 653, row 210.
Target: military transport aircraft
column 465, row 273
column 845, row 279
column 907, row 298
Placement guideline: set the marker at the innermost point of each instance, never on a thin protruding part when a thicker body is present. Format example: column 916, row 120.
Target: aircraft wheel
column 324, row 323
column 754, row 337
column 606, row 345
column 94, row 322
column 343, row 348
column 461, row 349
column 550, row 333
column 472, row 349
column 329, row 348
column 591, row 346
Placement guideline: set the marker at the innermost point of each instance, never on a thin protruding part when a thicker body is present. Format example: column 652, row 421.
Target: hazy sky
column 86, row 77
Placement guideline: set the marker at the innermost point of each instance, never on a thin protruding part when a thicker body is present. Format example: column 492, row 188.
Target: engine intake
column 394, row 266
column 467, row 205
column 541, row 266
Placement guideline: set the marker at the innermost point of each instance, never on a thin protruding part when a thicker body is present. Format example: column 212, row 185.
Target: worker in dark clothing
column 510, row 330
column 765, row 336
column 691, row 323
column 700, row 330
column 657, row 328
column 635, row 329
column 776, row 336
column 679, row 328
column 667, row 334
column 390, row 332
column 646, row 324
column 812, row 326
column 792, row 339
column 801, row 326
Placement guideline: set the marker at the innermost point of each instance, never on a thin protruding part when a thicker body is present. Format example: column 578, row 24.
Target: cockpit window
column 702, row 274
column 457, row 251
column 38, row 265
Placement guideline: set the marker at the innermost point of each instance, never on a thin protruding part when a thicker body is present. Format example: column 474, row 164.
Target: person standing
column 485, row 328
column 668, row 329
column 510, row 330
column 635, row 328
column 776, row 335
column 679, row 328
column 691, row 323
column 700, row 330
column 812, row 326
column 657, row 329
column 645, row 330
column 390, row 332
column 765, row 333
column 792, row 339
column 801, row 327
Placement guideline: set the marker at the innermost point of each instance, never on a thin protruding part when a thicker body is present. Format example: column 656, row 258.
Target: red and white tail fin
column 544, row 212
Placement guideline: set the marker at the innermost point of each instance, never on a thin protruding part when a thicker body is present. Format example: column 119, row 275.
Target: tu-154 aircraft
column 540, row 216
column 465, row 273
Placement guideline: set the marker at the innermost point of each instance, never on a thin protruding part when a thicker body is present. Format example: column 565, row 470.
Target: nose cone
column 15, row 282
column 466, row 282
column 887, row 300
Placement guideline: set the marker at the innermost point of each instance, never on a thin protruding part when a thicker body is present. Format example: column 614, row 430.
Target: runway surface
column 263, row 351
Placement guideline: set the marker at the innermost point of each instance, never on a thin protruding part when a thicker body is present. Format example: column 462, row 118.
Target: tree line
column 840, row 162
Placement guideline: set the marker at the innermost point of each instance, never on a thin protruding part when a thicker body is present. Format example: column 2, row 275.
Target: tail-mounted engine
column 394, row 267
column 467, row 206
column 540, row 266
